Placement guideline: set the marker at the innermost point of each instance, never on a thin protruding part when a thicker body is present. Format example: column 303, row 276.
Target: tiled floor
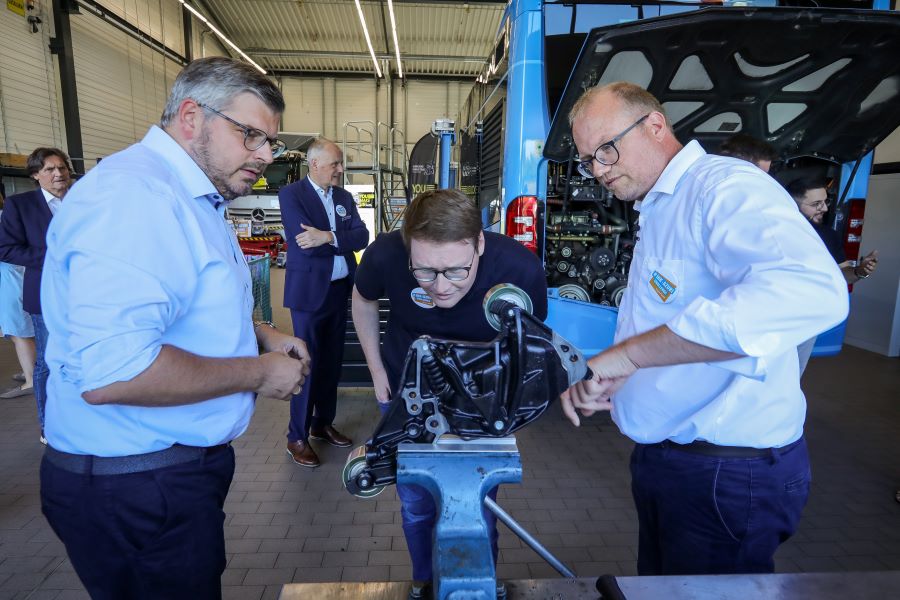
column 286, row 523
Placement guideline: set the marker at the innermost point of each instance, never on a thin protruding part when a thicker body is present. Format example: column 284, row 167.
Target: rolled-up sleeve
column 129, row 273
column 781, row 285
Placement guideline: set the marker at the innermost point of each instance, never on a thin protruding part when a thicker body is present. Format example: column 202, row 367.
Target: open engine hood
column 812, row 82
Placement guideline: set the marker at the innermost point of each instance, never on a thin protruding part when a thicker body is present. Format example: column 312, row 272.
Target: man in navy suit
column 323, row 230
column 23, row 241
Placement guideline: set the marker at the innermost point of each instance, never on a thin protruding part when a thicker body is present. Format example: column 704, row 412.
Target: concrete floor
column 290, row 524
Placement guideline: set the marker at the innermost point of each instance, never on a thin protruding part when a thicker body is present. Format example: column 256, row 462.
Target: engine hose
column 579, row 228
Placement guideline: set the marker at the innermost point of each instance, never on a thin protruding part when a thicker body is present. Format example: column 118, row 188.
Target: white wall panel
column 888, row 151
column 427, row 101
column 355, row 101
column 29, row 115
column 303, row 99
column 122, row 86
column 161, row 19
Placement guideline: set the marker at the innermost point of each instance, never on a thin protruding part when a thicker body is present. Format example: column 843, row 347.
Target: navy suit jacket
column 308, row 271
column 23, row 241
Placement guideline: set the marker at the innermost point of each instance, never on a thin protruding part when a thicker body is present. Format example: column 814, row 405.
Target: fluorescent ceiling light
column 394, row 33
column 222, row 37
column 362, row 20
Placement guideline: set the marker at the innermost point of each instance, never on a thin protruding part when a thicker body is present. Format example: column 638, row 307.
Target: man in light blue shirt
column 152, row 351
column 726, row 280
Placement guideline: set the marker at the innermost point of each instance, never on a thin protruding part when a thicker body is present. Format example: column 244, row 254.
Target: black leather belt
column 707, row 449
column 85, row 464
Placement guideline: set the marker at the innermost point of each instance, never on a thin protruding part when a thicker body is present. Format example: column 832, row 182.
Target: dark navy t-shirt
column 832, row 241
column 384, row 273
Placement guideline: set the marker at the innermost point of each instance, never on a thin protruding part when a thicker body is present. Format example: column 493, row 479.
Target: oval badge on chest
column 421, row 298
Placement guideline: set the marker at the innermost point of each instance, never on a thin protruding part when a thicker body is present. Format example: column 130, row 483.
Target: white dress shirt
column 724, row 259
column 340, row 269
column 52, row 201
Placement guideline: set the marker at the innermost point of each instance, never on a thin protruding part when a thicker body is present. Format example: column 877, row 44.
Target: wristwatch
column 856, row 272
column 258, row 323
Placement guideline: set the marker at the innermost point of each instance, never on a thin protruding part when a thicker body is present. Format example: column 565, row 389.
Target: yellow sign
column 366, row 199
column 17, row 6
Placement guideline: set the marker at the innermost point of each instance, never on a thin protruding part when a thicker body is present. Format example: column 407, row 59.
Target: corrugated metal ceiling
column 321, row 36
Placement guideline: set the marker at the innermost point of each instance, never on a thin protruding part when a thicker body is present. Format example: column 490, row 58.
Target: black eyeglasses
column 452, row 274
column 253, row 138
column 606, row 153
column 819, row 204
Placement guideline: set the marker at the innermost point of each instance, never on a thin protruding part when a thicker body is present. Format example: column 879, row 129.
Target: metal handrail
column 364, row 143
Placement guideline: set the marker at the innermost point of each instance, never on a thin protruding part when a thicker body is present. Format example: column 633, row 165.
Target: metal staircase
column 378, row 150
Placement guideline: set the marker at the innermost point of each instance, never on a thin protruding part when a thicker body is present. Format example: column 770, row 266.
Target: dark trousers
column 143, row 536
column 323, row 331
column 706, row 515
column 41, row 372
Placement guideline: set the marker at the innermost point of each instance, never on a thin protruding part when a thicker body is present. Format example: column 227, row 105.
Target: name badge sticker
column 340, row 210
column 663, row 287
column 421, row 298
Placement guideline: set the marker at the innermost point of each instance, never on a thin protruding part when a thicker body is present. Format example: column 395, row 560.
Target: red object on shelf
column 261, row 244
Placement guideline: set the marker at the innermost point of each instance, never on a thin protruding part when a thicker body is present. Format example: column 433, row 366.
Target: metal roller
column 509, row 293
column 355, row 478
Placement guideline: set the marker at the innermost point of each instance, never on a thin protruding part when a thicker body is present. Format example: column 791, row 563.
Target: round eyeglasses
column 253, row 138
column 425, row 275
column 606, row 153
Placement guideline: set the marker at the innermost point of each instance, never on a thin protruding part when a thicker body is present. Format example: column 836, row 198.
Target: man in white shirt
column 726, row 280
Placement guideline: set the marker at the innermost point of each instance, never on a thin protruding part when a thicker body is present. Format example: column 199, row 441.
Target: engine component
column 508, row 293
column 572, row 291
column 470, row 389
column 587, row 259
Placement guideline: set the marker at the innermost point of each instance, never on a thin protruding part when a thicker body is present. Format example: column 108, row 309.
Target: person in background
column 155, row 363
column 23, row 242
column 726, row 280
column 15, row 323
column 751, row 149
column 811, row 196
column 435, row 272
column 322, row 222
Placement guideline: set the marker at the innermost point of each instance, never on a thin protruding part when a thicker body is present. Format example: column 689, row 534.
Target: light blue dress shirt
column 725, row 260
column 140, row 255
column 340, row 268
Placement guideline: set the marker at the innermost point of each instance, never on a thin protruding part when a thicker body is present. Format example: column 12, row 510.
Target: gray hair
column 215, row 81
column 318, row 147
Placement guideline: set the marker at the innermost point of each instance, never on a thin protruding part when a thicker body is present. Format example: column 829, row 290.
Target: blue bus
column 820, row 84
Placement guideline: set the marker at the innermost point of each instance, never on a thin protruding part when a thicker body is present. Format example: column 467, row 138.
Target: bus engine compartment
column 589, row 239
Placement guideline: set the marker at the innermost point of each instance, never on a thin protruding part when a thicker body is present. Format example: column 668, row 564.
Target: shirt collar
column 189, row 173
column 322, row 191
column 673, row 173
column 48, row 196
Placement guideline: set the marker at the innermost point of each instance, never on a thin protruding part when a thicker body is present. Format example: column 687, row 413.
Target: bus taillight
column 522, row 221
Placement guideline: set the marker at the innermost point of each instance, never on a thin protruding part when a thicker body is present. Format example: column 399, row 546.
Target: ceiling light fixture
column 362, row 20
column 396, row 43
column 221, row 35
